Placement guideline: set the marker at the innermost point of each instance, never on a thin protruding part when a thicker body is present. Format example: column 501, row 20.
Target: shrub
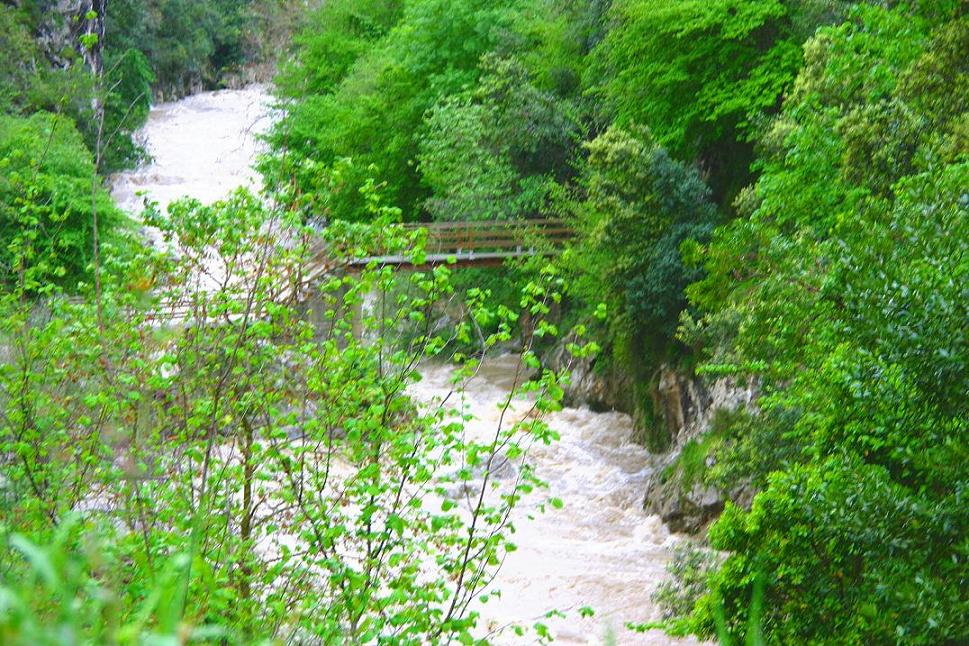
column 282, row 466
column 48, row 188
column 634, row 210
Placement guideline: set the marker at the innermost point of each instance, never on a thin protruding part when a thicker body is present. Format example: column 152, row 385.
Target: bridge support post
column 314, row 308
column 356, row 320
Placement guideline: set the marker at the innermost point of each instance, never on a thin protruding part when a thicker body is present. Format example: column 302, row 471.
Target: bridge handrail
column 472, row 241
column 478, row 235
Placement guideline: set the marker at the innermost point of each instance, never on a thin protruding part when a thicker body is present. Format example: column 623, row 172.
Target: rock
column 587, row 387
column 707, row 498
column 743, row 496
column 64, row 23
column 500, row 468
column 687, row 403
column 683, row 511
column 683, row 408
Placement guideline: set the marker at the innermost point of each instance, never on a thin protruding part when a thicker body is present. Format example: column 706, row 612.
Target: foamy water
column 600, row 551
column 203, row 146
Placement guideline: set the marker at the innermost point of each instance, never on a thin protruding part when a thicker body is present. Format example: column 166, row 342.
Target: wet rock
column 689, row 507
column 688, row 511
column 500, row 468
column 686, row 405
column 589, row 387
column 743, row 496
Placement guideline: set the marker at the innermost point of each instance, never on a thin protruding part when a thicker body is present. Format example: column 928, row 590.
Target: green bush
column 699, row 74
column 20, row 54
column 187, row 43
column 257, row 466
column 48, row 188
column 333, row 37
column 634, row 208
column 72, row 589
column 126, row 106
column 373, row 113
column 490, row 153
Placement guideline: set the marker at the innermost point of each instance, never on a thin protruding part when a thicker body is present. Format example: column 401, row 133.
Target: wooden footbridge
column 458, row 244
column 480, row 244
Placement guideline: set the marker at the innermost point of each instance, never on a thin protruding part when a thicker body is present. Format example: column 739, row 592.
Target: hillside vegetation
column 775, row 189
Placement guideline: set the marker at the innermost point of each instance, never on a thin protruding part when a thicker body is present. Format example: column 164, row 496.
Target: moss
column 651, row 428
column 690, row 466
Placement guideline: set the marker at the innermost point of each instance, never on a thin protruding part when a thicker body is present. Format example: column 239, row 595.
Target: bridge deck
column 460, row 258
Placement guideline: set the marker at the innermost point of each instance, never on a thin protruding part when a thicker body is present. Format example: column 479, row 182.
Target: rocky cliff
column 688, row 405
column 69, row 29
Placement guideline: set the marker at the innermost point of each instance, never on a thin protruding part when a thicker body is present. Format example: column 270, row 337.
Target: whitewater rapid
column 601, row 550
column 203, row 146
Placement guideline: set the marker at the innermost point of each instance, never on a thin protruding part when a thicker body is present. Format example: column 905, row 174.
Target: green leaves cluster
column 47, row 184
column 697, row 72
column 492, row 153
column 634, row 208
column 700, row 74
column 395, row 61
column 189, row 44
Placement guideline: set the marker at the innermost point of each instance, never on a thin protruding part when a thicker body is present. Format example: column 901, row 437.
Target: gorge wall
column 66, row 25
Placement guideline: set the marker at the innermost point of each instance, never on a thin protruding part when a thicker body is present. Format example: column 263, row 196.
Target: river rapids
column 601, row 550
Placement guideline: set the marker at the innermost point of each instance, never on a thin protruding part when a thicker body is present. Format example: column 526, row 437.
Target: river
column 202, row 146
column 601, row 550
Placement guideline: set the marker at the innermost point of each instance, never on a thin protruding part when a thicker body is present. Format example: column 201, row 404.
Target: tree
column 20, row 60
column 374, row 114
column 635, row 209
column 699, row 74
column 273, row 477
column 45, row 205
column 490, row 153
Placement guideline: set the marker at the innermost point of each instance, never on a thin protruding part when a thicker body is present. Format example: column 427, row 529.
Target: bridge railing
column 501, row 236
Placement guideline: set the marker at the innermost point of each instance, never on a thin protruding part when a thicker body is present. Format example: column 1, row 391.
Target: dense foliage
column 635, row 206
column 58, row 81
column 836, row 277
column 46, row 195
column 370, row 106
column 192, row 44
column 265, row 466
column 493, row 153
column 844, row 289
column 699, row 74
